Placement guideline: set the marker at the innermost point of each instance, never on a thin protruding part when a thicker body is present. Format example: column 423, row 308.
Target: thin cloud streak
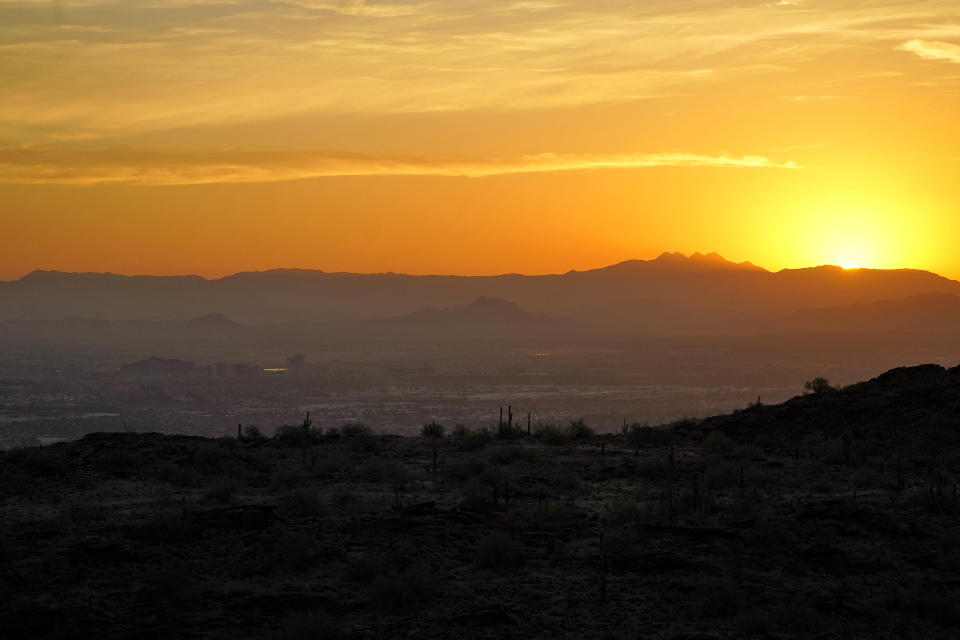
column 30, row 167
column 933, row 50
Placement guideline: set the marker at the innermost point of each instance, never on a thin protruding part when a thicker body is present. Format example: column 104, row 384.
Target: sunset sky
column 469, row 136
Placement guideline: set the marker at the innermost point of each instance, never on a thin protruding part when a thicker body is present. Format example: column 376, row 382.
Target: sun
column 850, row 266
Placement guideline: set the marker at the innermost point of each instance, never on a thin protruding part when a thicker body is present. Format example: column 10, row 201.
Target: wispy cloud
column 37, row 167
column 933, row 50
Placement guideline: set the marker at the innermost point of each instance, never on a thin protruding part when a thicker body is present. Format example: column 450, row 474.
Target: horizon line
column 661, row 256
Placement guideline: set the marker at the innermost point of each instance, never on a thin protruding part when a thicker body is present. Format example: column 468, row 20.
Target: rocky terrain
column 833, row 515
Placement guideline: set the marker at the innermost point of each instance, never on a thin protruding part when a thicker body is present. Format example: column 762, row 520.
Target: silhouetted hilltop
column 809, row 525
column 909, row 404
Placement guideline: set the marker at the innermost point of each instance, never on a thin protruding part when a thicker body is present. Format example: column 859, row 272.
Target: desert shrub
column 366, row 568
column 656, row 468
column 356, row 430
column 222, row 492
column 460, row 431
column 171, row 582
column 641, row 435
column 408, row 591
column 79, row 512
column 44, row 461
column 720, row 474
column 118, row 462
column 579, row 430
column 293, row 551
column 683, row 423
column 940, row 607
column 620, row 540
column 334, row 464
column 311, row 625
column 551, row 435
column 287, row 478
column 823, row 485
column 363, row 445
column 297, row 435
column 260, row 461
column 718, row 443
column 868, row 478
column 627, row 509
column 432, row 430
column 166, row 527
column 474, row 440
column 509, row 454
column 378, row 470
column 177, row 475
column 6, row 546
column 818, row 385
column 500, row 552
column 466, row 468
column 719, row 597
column 253, row 434
column 301, row 502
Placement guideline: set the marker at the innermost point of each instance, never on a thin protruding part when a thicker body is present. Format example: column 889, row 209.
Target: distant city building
column 159, row 367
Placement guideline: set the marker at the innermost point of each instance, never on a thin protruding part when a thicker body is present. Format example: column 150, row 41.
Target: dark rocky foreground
column 834, row 515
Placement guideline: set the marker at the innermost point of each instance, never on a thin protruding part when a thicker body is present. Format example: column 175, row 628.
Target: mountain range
column 673, row 293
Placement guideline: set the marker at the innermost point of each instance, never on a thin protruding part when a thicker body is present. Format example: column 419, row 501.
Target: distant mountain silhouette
column 695, row 262
column 929, row 311
column 213, row 322
column 485, row 317
column 483, row 310
column 670, row 294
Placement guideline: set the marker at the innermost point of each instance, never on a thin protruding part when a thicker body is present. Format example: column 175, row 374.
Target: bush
column 301, row 502
column 297, row 435
column 356, row 430
column 118, row 463
column 507, row 455
column 293, row 552
column 467, row 468
column 641, row 435
column 311, row 625
column 500, row 552
column 47, row 462
column 253, row 434
column 474, row 440
column 432, row 430
column 460, row 431
column 579, row 430
column 367, row 568
column 653, row 468
column 222, row 492
column 718, row 443
column 166, row 528
column 818, row 385
column 80, row 512
column 410, row 590
column 178, row 476
column 720, row 474
column 551, row 435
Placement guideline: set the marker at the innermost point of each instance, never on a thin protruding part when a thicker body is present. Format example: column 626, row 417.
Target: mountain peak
column 697, row 260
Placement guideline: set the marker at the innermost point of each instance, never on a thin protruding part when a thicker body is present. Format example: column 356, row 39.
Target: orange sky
column 475, row 137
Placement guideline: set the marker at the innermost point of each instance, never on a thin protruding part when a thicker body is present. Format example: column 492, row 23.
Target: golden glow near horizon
column 213, row 136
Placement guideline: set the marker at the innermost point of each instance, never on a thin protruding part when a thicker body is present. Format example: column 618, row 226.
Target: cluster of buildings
column 155, row 366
